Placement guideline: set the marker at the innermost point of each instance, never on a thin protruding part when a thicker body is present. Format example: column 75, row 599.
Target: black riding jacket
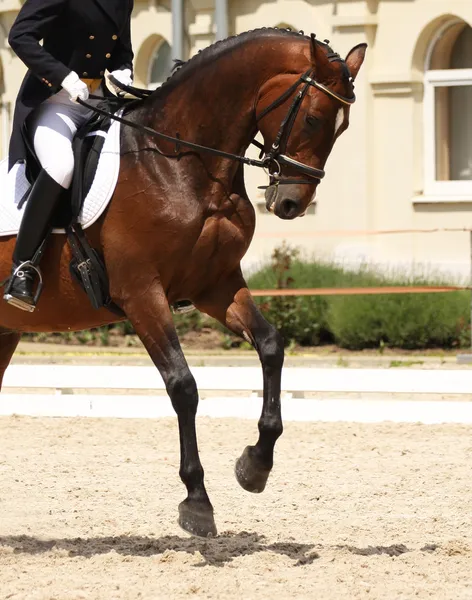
column 85, row 36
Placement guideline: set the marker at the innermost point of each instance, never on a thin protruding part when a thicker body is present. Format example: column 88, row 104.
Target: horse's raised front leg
column 151, row 317
column 8, row 343
column 232, row 304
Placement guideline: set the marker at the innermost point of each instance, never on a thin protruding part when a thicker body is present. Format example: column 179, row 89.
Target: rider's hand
column 75, row 87
column 124, row 76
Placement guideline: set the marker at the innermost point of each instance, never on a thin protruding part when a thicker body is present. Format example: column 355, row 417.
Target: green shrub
column 299, row 319
column 409, row 321
column 193, row 321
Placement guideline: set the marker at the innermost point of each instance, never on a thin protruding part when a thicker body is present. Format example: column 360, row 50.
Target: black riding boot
column 35, row 226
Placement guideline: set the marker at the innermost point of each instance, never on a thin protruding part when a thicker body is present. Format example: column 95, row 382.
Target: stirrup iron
column 17, row 302
column 183, row 307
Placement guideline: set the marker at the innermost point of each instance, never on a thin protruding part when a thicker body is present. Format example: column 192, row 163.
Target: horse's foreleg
column 232, row 304
column 152, row 320
column 8, row 342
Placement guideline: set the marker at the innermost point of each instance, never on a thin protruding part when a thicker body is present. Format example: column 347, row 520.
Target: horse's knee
column 271, row 349
column 182, row 390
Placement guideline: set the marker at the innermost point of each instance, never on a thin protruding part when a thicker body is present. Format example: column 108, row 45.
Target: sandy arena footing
column 88, row 510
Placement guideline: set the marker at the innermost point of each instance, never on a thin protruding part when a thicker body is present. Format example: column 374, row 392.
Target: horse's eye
column 313, row 122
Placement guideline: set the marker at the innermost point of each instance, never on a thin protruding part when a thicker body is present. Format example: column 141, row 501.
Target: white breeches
column 54, row 125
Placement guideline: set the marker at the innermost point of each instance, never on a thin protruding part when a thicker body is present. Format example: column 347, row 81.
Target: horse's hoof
column 197, row 518
column 250, row 473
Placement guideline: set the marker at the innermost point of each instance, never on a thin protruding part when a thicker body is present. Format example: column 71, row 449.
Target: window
column 448, row 114
column 161, row 64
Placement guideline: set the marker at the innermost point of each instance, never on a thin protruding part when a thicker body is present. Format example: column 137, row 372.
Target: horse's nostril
column 290, row 208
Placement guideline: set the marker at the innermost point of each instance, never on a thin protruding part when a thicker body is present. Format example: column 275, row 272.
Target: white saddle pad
column 14, row 184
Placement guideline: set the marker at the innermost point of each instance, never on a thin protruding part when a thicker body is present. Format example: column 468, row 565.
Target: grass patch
column 404, row 363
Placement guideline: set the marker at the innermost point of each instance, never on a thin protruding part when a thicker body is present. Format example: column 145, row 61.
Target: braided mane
column 222, row 46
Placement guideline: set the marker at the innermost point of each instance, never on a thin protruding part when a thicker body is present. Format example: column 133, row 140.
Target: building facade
column 406, row 160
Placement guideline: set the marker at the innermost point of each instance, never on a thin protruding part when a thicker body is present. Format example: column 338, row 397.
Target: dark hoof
column 250, row 473
column 197, row 519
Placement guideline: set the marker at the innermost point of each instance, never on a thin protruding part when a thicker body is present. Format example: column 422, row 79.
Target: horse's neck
column 215, row 105
column 219, row 114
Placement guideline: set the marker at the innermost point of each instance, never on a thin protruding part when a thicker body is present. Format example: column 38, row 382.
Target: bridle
column 276, row 157
column 271, row 161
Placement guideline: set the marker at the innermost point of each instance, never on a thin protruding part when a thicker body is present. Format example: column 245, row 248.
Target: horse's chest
column 223, row 241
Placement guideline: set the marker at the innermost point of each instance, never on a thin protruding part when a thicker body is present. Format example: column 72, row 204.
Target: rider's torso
column 87, row 34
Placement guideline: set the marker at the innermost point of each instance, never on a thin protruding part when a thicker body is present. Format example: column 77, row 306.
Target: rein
column 271, row 161
column 178, row 141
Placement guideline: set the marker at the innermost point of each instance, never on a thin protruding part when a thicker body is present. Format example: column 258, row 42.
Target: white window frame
column 443, row 190
column 434, row 190
column 153, row 85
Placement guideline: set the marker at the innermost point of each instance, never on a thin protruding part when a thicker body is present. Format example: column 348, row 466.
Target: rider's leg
column 53, row 128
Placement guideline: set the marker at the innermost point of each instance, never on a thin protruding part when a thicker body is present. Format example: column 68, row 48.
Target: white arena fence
column 139, row 392
column 295, row 380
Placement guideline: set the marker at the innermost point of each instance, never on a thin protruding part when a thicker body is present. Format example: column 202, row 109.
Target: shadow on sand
column 218, row 551
column 214, row 551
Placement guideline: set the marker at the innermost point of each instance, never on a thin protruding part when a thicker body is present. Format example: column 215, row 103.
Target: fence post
column 467, row 358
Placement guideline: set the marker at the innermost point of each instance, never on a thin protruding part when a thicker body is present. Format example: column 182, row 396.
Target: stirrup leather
column 18, row 272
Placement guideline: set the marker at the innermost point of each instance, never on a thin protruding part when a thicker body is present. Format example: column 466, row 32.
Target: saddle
column 87, row 266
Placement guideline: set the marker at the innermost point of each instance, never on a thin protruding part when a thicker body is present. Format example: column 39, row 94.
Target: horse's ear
column 355, row 58
column 321, row 64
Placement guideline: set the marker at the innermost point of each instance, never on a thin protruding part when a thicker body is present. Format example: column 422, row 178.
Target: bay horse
column 180, row 222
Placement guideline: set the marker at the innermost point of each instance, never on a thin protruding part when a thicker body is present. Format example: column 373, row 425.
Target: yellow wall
column 375, row 173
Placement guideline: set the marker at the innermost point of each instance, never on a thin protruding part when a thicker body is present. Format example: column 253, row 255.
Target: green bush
column 410, row 321
column 299, row 319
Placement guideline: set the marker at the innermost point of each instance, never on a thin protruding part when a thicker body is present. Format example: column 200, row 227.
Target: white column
column 221, row 19
column 178, row 29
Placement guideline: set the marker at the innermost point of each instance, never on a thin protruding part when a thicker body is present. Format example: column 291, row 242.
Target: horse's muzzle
column 282, row 201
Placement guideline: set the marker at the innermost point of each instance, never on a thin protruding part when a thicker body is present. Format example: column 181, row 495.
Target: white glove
column 75, row 87
column 124, row 76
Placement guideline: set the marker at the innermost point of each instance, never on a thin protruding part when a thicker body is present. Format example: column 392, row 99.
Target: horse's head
column 300, row 117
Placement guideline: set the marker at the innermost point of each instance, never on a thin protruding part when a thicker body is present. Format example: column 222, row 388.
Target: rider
column 81, row 40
